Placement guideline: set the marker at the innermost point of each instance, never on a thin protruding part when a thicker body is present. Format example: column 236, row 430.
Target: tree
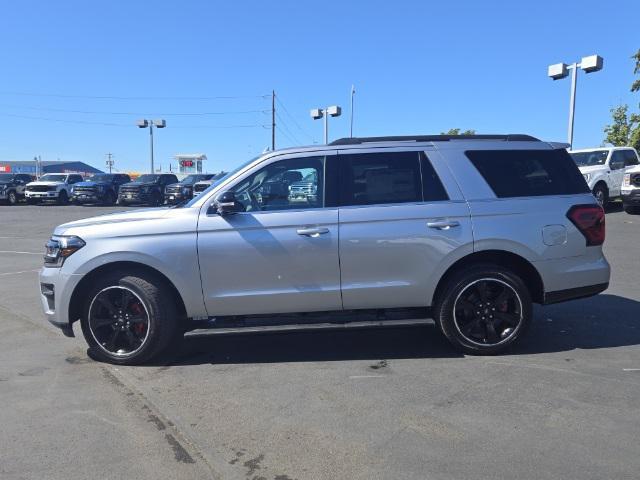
column 456, row 131
column 625, row 129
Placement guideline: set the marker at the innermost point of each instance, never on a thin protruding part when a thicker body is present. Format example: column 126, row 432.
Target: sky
column 76, row 75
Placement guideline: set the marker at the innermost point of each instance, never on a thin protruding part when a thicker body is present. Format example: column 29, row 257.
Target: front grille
column 635, row 179
column 84, row 190
column 131, row 190
column 200, row 187
column 40, row 188
column 303, row 188
column 174, row 189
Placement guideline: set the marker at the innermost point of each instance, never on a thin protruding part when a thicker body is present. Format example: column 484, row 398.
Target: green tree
column 456, row 131
column 625, row 127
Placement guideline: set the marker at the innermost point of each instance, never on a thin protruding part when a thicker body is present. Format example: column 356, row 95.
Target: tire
column 504, row 309
column 12, row 197
column 631, row 210
column 151, row 328
column 110, row 198
column 156, row 199
column 601, row 193
column 63, row 198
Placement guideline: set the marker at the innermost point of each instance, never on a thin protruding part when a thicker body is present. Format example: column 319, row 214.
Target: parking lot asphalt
column 394, row 403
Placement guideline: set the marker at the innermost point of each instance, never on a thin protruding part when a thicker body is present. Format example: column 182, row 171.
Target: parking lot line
column 21, row 253
column 18, row 273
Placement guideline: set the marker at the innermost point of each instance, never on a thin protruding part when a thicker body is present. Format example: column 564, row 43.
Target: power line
column 284, row 125
column 111, row 97
column 95, row 112
column 294, row 120
column 128, row 125
column 293, row 142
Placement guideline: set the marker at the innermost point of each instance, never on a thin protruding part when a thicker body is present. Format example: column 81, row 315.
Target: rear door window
column 528, row 173
column 380, row 178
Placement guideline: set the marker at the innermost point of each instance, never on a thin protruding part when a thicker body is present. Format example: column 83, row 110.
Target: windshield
column 219, row 180
column 588, row 159
column 53, row 178
column 148, row 178
column 6, row 177
column 191, row 179
column 101, row 178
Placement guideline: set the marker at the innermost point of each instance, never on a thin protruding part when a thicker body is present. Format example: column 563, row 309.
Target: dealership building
column 31, row 167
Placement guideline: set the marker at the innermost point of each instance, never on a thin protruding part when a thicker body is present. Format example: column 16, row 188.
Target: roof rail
column 434, row 138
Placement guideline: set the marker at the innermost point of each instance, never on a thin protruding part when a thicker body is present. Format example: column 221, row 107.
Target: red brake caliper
column 137, row 309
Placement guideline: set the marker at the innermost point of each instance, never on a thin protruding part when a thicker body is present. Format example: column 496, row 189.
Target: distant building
column 191, row 162
column 47, row 167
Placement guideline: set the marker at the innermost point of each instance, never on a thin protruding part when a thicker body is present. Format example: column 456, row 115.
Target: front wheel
column 12, row 198
column 601, row 194
column 63, row 198
column 484, row 309
column 129, row 318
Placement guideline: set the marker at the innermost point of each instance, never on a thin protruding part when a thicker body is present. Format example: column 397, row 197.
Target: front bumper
column 42, row 195
column 177, row 197
column 86, row 197
column 56, row 288
column 136, row 197
column 631, row 197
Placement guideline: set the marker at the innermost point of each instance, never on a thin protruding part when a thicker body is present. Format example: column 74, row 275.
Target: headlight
column 186, row 191
column 59, row 248
column 627, row 180
column 3, row 187
column 53, row 189
column 586, row 176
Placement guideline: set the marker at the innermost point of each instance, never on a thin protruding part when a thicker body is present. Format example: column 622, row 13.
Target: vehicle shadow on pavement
column 423, row 341
column 602, row 321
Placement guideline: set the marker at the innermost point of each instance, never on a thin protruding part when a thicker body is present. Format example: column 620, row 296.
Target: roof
column 593, row 149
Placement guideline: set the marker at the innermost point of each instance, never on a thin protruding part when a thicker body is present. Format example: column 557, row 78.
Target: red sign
column 5, row 168
column 186, row 163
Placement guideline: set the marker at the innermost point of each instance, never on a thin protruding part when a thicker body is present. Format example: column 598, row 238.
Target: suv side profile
column 469, row 230
column 604, row 169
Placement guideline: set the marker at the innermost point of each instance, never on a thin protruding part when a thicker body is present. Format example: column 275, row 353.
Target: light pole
column 318, row 113
column 151, row 123
column 589, row 64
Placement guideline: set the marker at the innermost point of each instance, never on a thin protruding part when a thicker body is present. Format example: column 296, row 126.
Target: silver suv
column 467, row 230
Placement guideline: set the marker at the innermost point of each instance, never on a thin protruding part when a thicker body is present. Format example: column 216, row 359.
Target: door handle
column 443, row 224
column 312, row 232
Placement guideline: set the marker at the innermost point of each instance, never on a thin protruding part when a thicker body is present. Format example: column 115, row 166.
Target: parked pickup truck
column 101, row 188
column 183, row 190
column 147, row 189
column 631, row 190
column 604, row 169
column 12, row 186
column 55, row 187
column 468, row 230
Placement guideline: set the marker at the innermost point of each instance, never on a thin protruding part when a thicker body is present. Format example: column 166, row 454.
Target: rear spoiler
column 559, row 145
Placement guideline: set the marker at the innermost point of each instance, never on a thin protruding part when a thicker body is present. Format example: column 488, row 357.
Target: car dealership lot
column 377, row 403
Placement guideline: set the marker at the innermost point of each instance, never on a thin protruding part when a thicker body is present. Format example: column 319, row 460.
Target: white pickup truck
column 55, row 187
column 604, row 169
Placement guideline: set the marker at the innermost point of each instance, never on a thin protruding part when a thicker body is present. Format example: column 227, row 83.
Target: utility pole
column 109, row 161
column 273, row 120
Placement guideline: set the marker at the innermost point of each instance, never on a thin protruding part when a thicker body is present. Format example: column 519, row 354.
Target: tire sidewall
column 444, row 317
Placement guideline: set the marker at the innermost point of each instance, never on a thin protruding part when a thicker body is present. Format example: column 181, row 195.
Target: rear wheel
column 601, row 193
column 484, row 309
column 130, row 319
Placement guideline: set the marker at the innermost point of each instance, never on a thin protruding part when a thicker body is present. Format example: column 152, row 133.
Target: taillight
column 589, row 219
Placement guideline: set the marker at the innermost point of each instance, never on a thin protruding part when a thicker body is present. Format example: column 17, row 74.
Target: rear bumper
column 574, row 293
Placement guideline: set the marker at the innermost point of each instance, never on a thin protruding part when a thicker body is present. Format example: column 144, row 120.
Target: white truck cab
column 604, row 169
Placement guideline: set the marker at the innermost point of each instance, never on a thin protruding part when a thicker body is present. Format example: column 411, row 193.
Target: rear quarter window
column 528, row 173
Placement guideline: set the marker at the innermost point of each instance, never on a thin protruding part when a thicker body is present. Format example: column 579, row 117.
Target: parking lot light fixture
column 318, row 113
column 592, row 63
column 158, row 123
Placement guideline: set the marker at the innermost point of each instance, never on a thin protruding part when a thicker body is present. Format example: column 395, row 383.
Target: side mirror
column 616, row 165
column 226, row 204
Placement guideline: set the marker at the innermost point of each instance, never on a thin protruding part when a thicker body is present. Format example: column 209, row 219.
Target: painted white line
column 17, row 273
column 367, row 376
column 631, row 369
column 21, row 253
